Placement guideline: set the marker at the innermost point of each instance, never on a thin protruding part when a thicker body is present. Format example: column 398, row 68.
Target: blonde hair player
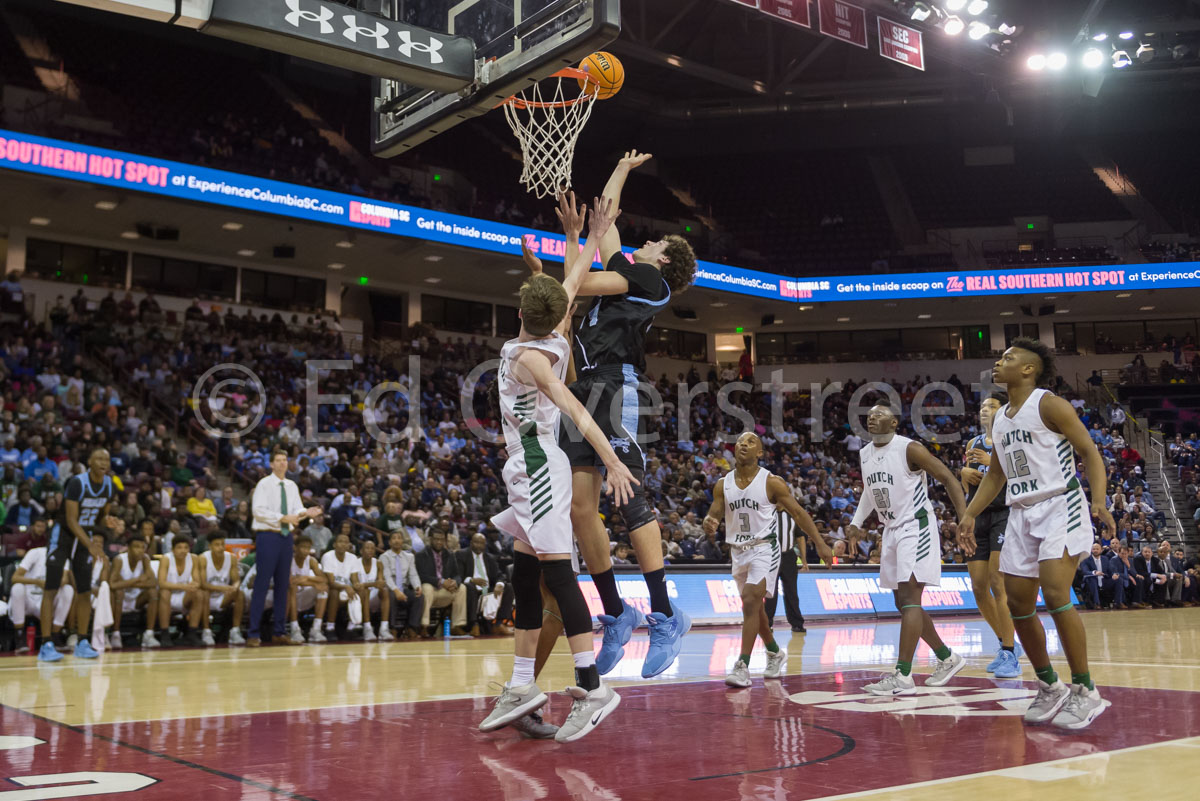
column 1049, row 529
column 894, row 470
column 538, row 478
column 747, row 498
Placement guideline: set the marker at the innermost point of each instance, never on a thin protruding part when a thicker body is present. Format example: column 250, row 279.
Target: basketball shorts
column 990, row 527
column 538, row 479
column 911, row 550
column 615, row 399
column 64, row 549
column 268, row 602
column 373, row 599
column 215, row 600
column 129, row 602
column 753, row 565
column 506, row 522
column 177, row 601
column 1044, row 531
column 306, row 598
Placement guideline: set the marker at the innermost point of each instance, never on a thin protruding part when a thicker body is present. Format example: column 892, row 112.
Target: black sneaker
column 799, row 630
column 165, row 639
column 192, row 639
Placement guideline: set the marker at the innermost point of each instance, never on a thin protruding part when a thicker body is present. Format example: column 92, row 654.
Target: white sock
column 522, row 671
column 235, row 628
column 328, row 625
column 584, row 659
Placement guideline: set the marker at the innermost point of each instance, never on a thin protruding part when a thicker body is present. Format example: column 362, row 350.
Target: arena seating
column 1169, row 184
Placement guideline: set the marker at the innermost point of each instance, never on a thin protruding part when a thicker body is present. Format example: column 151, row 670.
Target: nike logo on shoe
column 596, row 720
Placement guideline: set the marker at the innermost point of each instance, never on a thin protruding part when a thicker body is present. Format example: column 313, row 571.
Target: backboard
column 517, row 42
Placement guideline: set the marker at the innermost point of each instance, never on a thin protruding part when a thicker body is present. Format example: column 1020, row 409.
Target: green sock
column 773, row 647
column 1047, row 674
column 1083, row 678
column 942, row 653
column 745, row 658
column 904, row 667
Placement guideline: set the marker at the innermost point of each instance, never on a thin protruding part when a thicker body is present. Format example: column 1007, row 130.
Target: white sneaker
column 891, row 684
column 72, row 641
column 369, row 634
column 385, row 634
column 512, row 704
column 1050, row 699
column 315, row 634
column 294, row 629
column 296, row 636
column 114, row 641
column 235, row 636
column 775, row 664
column 149, row 640
column 945, row 670
column 207, row 638
column 587, row 711
column 1081, row 708
column 739, row 676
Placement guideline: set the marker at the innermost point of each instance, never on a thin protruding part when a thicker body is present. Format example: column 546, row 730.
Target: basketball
column 608, row 72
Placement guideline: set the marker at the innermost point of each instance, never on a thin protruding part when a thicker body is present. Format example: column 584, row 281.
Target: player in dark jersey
column 610, row 358
column 984, row 565
column 85, row 506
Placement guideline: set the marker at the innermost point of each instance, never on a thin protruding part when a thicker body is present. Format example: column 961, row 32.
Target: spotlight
column 1037, row 63
column 1145, row 54
column 1056, row 61
column 1121, row 60
column 1093, row 59
column 1100, row 37
column 978, row 30
column 1006, row 29
column 1126, row 35
column 956, row 5
column 954, row 26
column 977, row 7
column 920, row 12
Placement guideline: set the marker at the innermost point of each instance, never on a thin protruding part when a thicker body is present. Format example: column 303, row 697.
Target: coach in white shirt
column 278, row 511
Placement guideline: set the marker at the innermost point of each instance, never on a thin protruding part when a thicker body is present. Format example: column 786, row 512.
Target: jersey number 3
column 744, row 519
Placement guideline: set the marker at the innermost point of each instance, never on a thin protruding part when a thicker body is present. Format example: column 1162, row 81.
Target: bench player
column 134, row 586
column 894, row 470
column 747, row 499
column 220, row 589
column 1036, row 435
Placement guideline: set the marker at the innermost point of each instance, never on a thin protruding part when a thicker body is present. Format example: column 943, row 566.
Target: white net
column 548, row 131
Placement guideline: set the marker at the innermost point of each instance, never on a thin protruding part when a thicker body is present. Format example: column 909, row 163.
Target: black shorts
column 989, row 533
column 62, row 549
column 615, row 399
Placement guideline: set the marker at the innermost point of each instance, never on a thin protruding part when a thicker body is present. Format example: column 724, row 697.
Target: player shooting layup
column 610, row 357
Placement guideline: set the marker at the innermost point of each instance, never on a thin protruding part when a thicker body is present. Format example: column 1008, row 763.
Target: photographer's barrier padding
column 709, row 594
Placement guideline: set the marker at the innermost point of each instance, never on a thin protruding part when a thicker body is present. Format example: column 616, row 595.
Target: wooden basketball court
column 377, row 720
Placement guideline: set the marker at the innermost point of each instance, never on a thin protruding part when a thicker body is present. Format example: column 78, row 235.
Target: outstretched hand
column 531, row 261
column 604, row 214
column 634, row 159
column 620, row 483
column 572, row 218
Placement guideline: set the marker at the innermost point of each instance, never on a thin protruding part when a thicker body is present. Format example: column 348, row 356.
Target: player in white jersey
column 179, row 591
column 26, row 595
column 134, row 587
column 1049, row 529
column 894, row 470
column 219, row 584
column 538, row 478
column 747, row 499
column 374, row 594
column 308, row 589
column 343, row 571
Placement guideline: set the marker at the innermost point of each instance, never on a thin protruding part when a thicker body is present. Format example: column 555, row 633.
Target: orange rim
column 568, row 72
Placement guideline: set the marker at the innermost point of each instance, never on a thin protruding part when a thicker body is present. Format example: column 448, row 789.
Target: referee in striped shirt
column 789, row 538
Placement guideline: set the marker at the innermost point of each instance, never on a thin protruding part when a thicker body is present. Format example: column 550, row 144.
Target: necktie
column 284, row 528
column 480, row 570
column 437, row 562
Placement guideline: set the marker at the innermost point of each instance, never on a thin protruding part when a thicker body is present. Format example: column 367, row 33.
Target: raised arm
column 1060, row 416
column 533, row 367
column 779, row 494
column 610, row 243
column 604, row 214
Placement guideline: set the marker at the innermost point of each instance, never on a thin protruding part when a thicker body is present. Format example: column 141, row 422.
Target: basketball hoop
column 548, row 129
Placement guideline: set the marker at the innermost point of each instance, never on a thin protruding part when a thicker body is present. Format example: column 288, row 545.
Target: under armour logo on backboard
column 407, row 46
column 323, row 16
column 353, row 31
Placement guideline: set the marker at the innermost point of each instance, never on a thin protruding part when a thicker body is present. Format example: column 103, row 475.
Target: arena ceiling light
column 924, row 316
column 339, row 266
column 843, row 319
column 432, row 280
column 1036, row 62
column 1124, row 294
column 39, row 220
column 1100, row 37
column 1145, row 53
column 1093, row 59
column 1006, row 29
column 978, row 30
column 977, row 7
column 1007, row 313
column 920, row 12
column 955, row 5
column 954, row 26
column 232, row 226
column 1121, row 60
column 246, row 253
column 129, row 234
column 1056, row 61
column 1126, row 35
column 514, row 271
column 1145, row 308
column 107, row 205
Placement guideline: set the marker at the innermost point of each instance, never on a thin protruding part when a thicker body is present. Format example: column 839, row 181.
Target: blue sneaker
column 666, row 638
column 84, row 650
column 995, row 663
column 617, row 631
column 48, row 653
column 1010, row 666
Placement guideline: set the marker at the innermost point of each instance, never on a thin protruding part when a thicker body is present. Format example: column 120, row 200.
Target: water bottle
column 30, row 637
column 446, row 627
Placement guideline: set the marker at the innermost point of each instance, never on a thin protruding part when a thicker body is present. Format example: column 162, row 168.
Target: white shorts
column 129, row 600
column 177, row 601
column 373, row 599
column 306, row 598
column 753, row 565
column 506, row 522
column 248, row 595
column 215, row 599
column 541, row 502
column 911, row 550
column 1043, row 531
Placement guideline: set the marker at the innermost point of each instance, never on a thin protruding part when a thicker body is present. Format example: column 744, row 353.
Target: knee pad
column 561, row 581
column 527, row 591
column 638, row 512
